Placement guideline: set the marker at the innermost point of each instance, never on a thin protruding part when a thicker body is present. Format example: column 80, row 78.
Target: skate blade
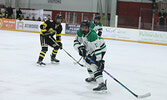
column 101, row 92
column 53, row 62
column 92, row 82
column 40, row 65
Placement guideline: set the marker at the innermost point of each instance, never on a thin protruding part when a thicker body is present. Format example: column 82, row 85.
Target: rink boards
column 111, row 33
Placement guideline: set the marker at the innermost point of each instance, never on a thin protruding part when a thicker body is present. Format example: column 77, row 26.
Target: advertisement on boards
column 71, row 29
column 28, row 25
column 120, row 33
column 8, row 23
column 153, row 36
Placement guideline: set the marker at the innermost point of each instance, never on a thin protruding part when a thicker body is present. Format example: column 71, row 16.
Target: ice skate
column 90, row 79
column 54, row 60
column 40, row 63
column 101, row 87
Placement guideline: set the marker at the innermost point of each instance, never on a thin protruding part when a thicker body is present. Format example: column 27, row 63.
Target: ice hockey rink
column 141, row 67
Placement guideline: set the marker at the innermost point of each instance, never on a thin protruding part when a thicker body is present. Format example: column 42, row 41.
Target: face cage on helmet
column 86, row 26
column 59, row 18
column 87, row 31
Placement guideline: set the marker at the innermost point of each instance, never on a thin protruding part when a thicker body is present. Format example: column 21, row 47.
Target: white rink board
column 28, row 25
column 120, row 33
column 108, row 32
column 63, row 25
column 135, row 35
column 32, row 25
column 153, row 36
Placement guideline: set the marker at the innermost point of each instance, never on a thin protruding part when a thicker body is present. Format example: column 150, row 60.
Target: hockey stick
column 78, row 61
column 73, row 58
column 67, row 52
column 137, row 96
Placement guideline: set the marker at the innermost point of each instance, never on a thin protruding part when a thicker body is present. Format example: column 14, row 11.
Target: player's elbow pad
column 42, row 27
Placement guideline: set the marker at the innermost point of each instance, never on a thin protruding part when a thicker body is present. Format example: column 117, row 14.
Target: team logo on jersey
column 1, row 23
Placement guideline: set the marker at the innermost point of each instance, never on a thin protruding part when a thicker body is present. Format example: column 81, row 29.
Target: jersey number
column 96, row 45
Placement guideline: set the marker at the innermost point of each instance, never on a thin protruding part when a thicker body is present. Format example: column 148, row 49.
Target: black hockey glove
column 99, row 33
column 87, row 60
column 60, row 45
column 82, row 51
column 100, row 65
column 93, row 57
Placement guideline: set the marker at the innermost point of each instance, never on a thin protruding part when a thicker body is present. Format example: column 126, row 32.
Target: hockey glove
column 82, row 51
column 99, row 33
column 60, row 45
column 91, row 57
column 100, row 65
column 87, row 60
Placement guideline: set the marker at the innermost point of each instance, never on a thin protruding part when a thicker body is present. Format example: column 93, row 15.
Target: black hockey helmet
column 59, row 16
column 85, row 23
column 97, row 17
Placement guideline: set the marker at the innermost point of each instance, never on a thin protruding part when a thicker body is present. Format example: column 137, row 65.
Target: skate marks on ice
column 49, row 64
column 89, row 93
column 94, row 95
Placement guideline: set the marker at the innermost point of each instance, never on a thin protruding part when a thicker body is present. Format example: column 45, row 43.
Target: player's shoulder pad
column 47, row 21
column 92, row 25
column 92, row 36
column 43, row 25
column 100, row 24
column 79, row 33
column 60, row 26
column 92, row 22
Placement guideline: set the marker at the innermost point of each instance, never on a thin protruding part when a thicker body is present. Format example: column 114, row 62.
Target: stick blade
column 144, row 96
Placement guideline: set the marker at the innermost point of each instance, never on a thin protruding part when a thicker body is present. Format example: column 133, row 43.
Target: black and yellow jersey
column 0, row 15
column 46, row 27
column 4, row 15
column 49, row 26
column 58, row 30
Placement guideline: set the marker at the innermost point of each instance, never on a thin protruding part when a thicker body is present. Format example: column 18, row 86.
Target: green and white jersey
column 102, row 44
column 92, row 43
column 96, row 27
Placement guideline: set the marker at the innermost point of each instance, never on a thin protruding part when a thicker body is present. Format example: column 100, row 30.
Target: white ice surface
column 141, row 67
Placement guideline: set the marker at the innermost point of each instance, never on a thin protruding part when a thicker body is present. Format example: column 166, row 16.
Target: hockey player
column 96, row 25
column 58, row 30
column 88, row 44
column 5, row 14
column 48, row 29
